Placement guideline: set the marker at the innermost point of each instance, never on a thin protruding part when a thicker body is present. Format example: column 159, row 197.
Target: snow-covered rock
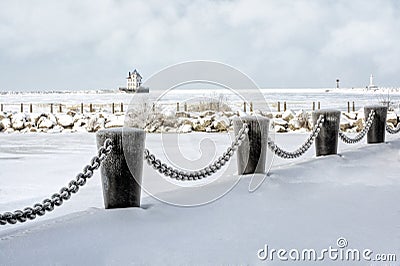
column 280, row 129
column 186, row 128
column 221, row 123
column 45, row 122
column 391, row 118
column 280, row 122
column 56, row 129
column 117, row 121
column 18, row 121
column 294, row 124
column 345, row 123
column 351, row 115
column 288, row 115
column 65, row 120
column 5, row 123
column 3, row 115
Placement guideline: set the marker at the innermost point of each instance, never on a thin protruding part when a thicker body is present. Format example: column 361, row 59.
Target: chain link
column 202, row 173
column 362, row 133
column 303, row 148
column 57, row 199
column 393, row 131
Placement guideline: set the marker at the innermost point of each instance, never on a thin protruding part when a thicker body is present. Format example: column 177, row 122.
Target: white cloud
column 91, row 44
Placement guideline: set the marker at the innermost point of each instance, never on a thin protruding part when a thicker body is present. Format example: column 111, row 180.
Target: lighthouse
column 371, row 83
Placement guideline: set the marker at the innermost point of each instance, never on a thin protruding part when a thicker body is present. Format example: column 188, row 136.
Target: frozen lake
column 295, row 98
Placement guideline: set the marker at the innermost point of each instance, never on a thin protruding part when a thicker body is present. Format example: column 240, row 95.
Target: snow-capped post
column 376, row 133
column 81, row 108
column 326, row 142
column 121, row 187
column 252, row 154
column 279, row 106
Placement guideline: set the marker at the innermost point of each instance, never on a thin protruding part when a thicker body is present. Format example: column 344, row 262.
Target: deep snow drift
column 305, row 203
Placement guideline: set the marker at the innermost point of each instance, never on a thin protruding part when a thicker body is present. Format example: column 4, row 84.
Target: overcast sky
column 82, row 44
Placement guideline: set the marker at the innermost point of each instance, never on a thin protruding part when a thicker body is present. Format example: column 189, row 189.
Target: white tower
column 371, row 83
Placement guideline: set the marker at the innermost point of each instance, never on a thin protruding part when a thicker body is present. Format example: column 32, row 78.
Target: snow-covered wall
column 182, row 122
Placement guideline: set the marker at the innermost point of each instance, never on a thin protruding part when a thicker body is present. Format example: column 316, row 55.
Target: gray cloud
column 85, row 44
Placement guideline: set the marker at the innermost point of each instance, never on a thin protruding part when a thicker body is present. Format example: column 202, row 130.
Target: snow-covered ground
column 305, row 203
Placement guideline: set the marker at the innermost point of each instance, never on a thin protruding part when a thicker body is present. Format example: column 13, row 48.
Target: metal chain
column 391, row 130
column 303, row 148
column 363, row 132
column 202, row 173
column 48, row 204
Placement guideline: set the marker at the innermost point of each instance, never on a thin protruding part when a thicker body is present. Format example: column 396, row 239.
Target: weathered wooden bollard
column 327, row 141
column 121, row 186
column 376, row 133
column 252, row 154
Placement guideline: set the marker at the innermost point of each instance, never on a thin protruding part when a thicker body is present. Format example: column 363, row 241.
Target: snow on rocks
column 65, row 120
column 288, row 115
column 18, row 121
column 206, row 121
column 392, row 118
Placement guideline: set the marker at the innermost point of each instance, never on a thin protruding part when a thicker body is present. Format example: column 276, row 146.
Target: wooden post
column 22, row 107
column 122, row 107
column 113, row 108
column 185, row 107
column 1, row 107
column 81, row 108
column 279, row 106
column 348, row 107
column 91, row 108
column 252, row 154
column 177, row 107
column 121, row 171
column 284, row 106
column 154, row 107
column 244, row 107
column 313, row 106
column 354, row 107
column 376, row 133
column 30, row 108
column 326, row 142
column 319, row 105
column 51, row 108
column 60, row 108
column 251, row 106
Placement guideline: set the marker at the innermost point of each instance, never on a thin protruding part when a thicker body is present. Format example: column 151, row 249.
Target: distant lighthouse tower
column 371, row 83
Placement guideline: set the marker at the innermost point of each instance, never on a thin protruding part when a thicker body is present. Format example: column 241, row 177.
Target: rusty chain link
column 303, row 148
column 362, row 133
column 57, row 199
column 202, row 173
